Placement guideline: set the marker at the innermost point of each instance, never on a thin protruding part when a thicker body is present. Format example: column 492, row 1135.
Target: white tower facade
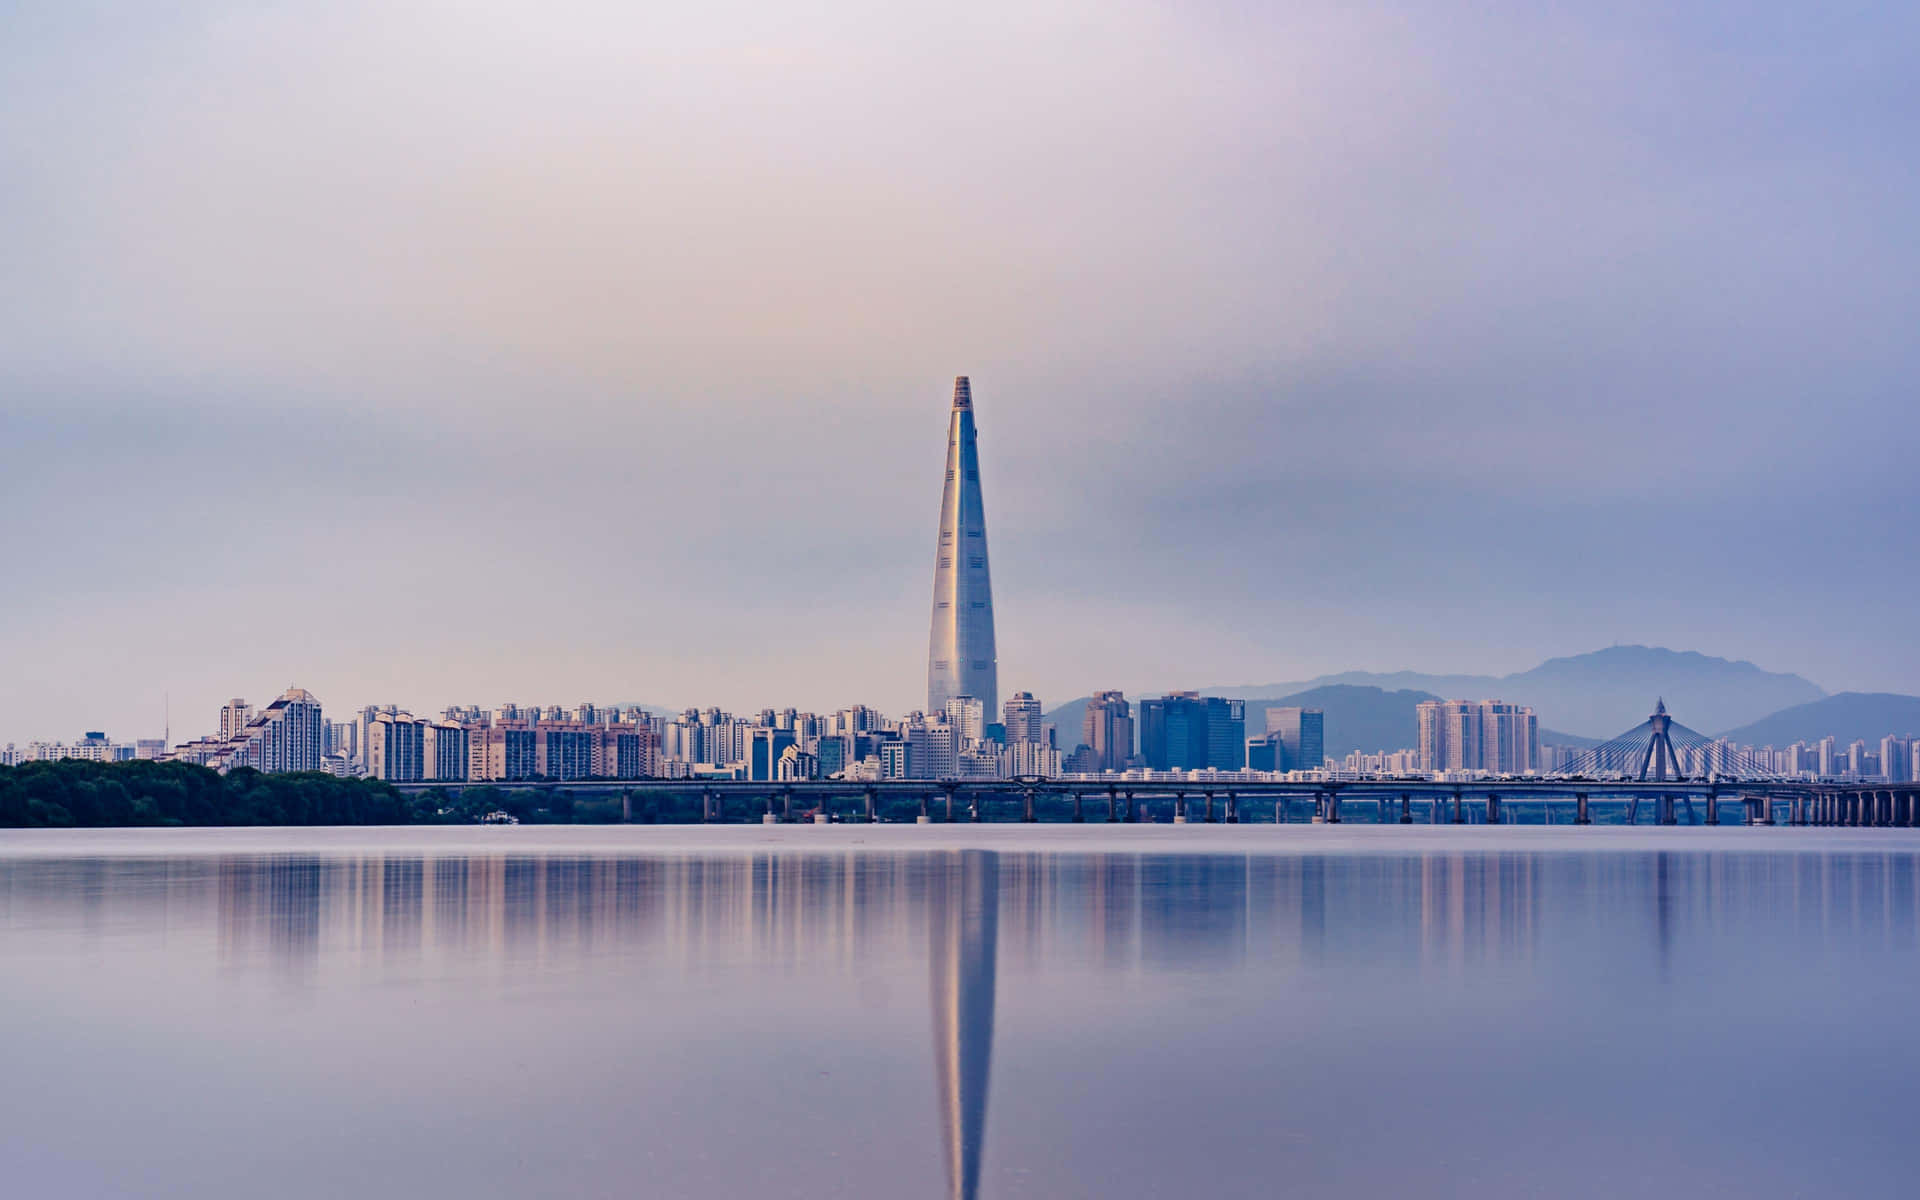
column 960, row 653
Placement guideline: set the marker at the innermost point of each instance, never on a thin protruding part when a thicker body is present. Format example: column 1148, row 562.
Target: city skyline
column 1311, row 346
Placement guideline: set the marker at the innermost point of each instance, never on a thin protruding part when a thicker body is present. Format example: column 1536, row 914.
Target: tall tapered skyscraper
column 960, row 654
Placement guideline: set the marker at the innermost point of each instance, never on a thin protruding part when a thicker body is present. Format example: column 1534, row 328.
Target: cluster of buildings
column 1488, row 737
column 1894, row 760
column 1185, row 731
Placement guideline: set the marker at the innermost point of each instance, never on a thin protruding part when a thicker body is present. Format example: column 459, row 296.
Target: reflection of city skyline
column 827, row 912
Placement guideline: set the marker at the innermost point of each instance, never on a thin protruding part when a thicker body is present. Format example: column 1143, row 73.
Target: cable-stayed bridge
column 1661, row 749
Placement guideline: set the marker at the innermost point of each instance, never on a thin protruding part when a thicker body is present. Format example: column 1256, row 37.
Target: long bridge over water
column 1402, row 801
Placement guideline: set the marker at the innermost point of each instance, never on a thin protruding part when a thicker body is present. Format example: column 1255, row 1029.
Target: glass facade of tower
column 961, row 660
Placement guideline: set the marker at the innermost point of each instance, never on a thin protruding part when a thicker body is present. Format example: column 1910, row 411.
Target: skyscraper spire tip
column 962, row 392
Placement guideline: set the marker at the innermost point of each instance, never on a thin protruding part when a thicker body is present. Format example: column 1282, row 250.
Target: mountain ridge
column 1579, row 699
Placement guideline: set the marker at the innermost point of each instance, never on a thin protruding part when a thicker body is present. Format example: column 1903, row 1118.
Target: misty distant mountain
column 1867, row 716
column 1358, row 717
column 1599, row 694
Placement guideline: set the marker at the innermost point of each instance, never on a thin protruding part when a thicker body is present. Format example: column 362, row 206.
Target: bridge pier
column 1493, row 808
column 626, row 806
column 1713, row 806
column 870, row 804
column 1027, row 813
column 1113, row 806
column 1459, row 812
column 1209, row 796
column 1333, row 808
column 767, row 817
column 1280, row 810
column 1380, row 805
column 1233, row 809
column 1132, row 815
column 1580, row 814
column 1179, row 808
column 949, row 792
column 706, row 806
column 973, row 807
column 1078, row 817
column 1666, row 811
column 1406, row 808
column 925, row 817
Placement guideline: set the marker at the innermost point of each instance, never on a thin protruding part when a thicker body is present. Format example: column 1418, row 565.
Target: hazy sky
column 436, row 352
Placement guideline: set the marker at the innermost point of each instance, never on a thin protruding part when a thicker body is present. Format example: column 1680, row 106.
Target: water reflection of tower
column 963, row 900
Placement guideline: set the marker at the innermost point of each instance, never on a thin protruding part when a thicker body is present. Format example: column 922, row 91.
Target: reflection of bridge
column 1659, row 762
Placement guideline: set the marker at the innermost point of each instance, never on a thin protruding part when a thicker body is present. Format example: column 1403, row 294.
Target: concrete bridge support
column 1713, row 807
column 1459, row 810
column 1493, row 808
column 871, row 798
column 1580, row 814
column 924, row 817
column 1179, row 808
column 1666, row 810
column 1333, row 808
column 1233, row 809
column 1406, row 808
column 1026, row 813
column 1209, row 796
column 949, row 792
column 706, row 806
column 1079, row 818
column 1113, row 805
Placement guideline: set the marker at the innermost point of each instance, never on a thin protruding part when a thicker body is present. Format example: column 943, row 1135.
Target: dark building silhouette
column 1185, row 731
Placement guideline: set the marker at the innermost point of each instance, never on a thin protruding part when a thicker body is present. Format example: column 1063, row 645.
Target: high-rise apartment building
column 395, row 747
column 968, row 718
column 445, row 751
column 1022, row 719
column 1302, row 734
column 1896, row 759
column 235, row 715
column 961, row 660
column 1107, row 732
column 1478, row 735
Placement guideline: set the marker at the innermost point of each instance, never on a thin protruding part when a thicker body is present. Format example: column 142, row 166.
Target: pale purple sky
column 435, row 353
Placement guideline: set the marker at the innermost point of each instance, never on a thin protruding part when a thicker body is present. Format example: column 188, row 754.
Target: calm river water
column 991, row 1011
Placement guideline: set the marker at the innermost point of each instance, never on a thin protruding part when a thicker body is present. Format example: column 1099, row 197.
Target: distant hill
column 1599, row 694
column 1357, row 717
column 1868, row 716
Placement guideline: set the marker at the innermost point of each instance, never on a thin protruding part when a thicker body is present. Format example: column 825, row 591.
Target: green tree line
column 75, row 793
column 72, row 793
